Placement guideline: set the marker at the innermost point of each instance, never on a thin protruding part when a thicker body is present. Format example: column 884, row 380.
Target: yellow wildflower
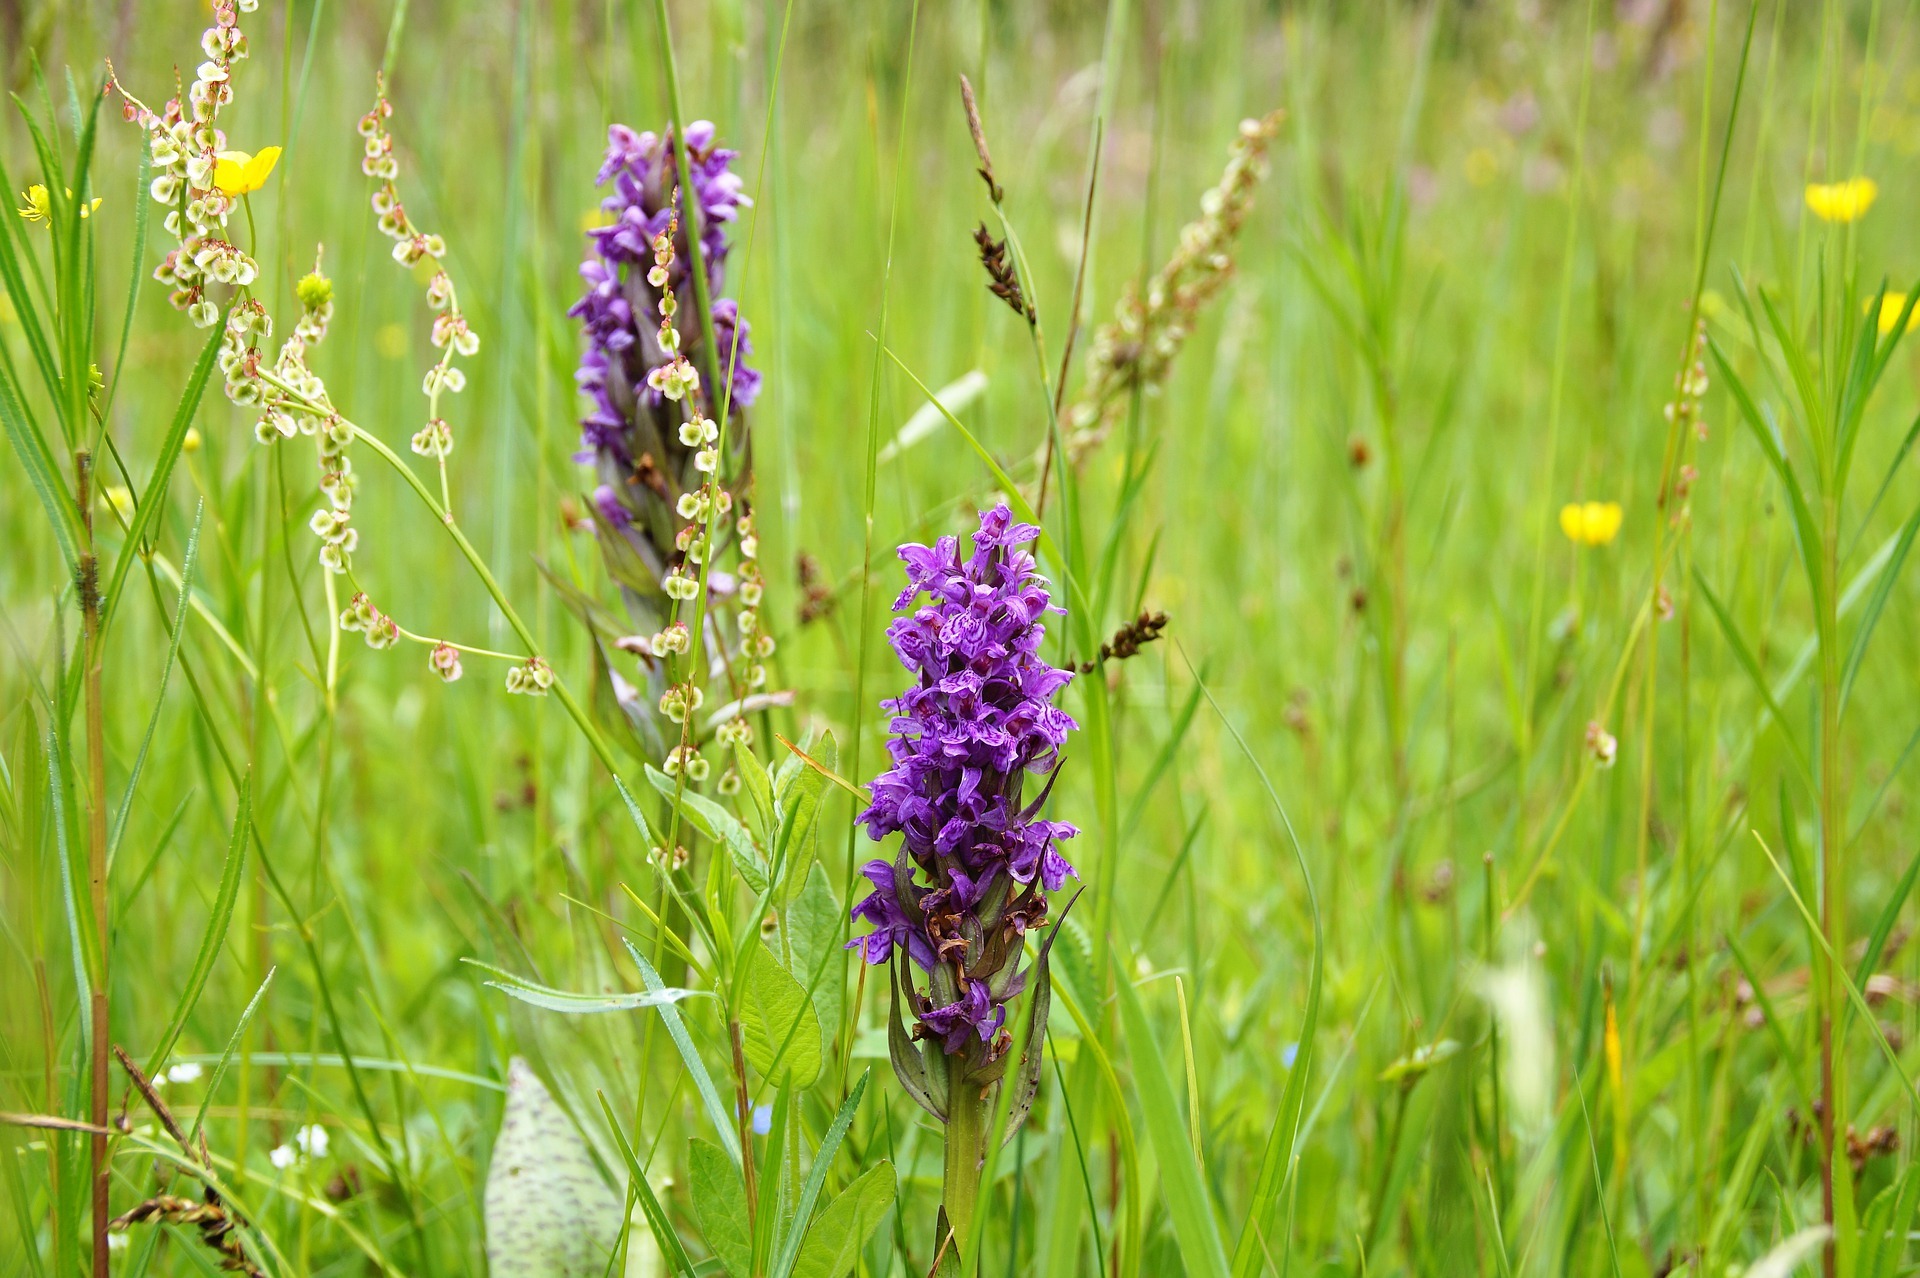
column 1593, row 523
column 237, row 173
column 39, row 208
column 1846, row 201
column 1890, row 307
column 121, row 499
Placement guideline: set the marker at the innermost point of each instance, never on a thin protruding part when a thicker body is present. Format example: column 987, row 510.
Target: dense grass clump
column 1384, row 747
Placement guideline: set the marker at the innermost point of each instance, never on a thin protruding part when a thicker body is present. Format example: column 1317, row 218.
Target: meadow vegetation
column 1468, row 443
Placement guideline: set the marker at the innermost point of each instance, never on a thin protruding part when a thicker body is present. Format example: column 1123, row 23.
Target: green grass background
column 1524, row 281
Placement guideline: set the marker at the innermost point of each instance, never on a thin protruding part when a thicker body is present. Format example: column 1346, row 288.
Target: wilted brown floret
column 1128, row 639
column 1001, row 280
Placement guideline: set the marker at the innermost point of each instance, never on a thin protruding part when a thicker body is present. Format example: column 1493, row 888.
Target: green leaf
column 720, row 1206
column 813, row 933
column 23, row 306
column 717, row 824
column 154, row 497
column 833, row 1244
column 1884, row 1235
column 1754, row 674
column 1883, row 927
column 757, row 785
column 160, row 694
column 929, row 1091
column 216, row 933
column 781, row 1032
column 1182, row 1182
column 579, row 1004
column 790, row 1246
column 690, row 1056
column 799, row 801
column 36, row 459
column 1881, row 590
column 226, row 1056
column 1806, row 535
column 671, row 1247
column 548, row 1210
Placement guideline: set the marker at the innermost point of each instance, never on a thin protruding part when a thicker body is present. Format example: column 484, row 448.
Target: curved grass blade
column 690, row 1056
column 788, row 1250
column 578, row 1004
column 1881, row 590
column 671, row 1248
column 1182, row 1180
column 37, row 460
column 1276, row 1163
column 1853, row 991
column 154, row 498
column 166, row 671
column 1754, row 675
column 216, row 934
column 226, row 1055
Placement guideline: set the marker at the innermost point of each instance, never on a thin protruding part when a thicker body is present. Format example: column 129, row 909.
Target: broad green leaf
column 813, row 933
column 548, row 1210
column 756, row 784
column 833, row 1243
column 777, row 1022
column 799, row 801
column 1182, row 1183
column 720, row 1206
column 717, row 824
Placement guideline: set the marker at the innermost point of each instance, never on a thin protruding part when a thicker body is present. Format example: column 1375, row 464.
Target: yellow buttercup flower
column 39, row 208
column 1846, row 201
column 1890, row 307
column 1592, row 523
column 237, row 173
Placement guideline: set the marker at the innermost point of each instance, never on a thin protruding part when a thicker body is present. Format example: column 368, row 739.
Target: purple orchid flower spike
column 976, row 859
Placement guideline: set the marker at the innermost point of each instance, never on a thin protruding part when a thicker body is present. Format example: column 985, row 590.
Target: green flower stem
column 960, row 1184
column 295, row 400
column 479, row 566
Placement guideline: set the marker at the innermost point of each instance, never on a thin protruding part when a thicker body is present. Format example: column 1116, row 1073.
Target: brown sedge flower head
column 1150, row 326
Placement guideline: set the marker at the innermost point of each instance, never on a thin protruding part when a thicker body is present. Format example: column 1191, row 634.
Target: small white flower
column 312, row 1140
column 282, row 1156
column 184, row 1072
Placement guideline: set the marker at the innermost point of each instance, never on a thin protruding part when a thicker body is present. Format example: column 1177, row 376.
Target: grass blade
column 1754, row 674
column 1182, row 1180
column 671, row 1248
column 789, row 1249
column 216, row 932
column 160, row 694
column 154, row 498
